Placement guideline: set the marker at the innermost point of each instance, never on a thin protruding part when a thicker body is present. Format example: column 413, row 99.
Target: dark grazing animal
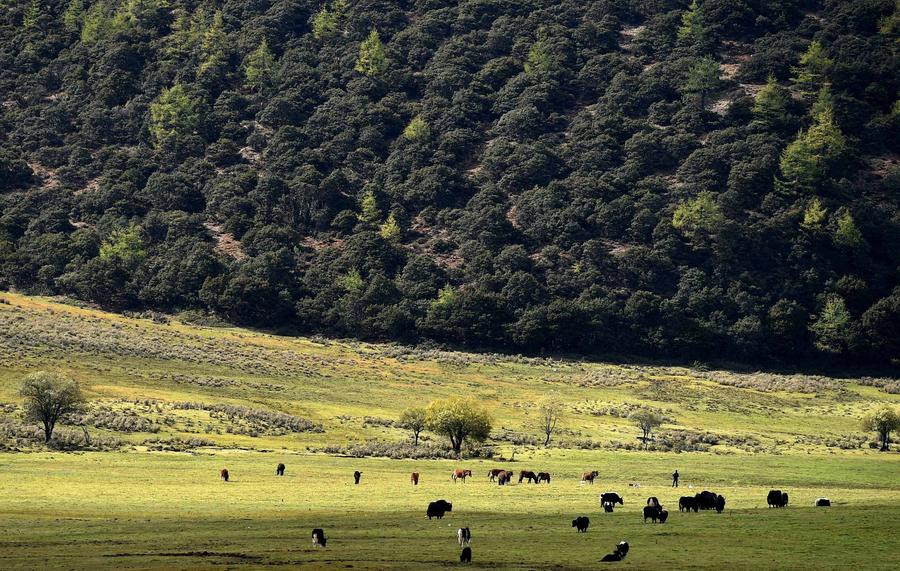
column 530, row 476
column 777, row 499
column 492, row 475
column 608, row 507
column 589, row 477
column 651, row 513
column 581, row 523
column 466, row 555
column 720, row 504
column 653, row 501
column 823, row 503
column 504, row 477
column 224, row 474
column 618, row 554
column 414, row 478
column 438, row 509
column 663, row 515
column 687, row 503
column 356, row 476
column 318, row 537
column 706, row 500
column 279, row 471
column 543, row 477
column 612, row 498
column 464, row 536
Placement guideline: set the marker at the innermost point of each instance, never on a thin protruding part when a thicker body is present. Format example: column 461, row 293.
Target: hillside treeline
column 716, row 178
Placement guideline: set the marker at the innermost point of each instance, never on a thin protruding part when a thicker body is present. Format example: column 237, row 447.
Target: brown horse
column 495, row 472
column 530, row 476
column 543, row 477
column 224, row 474
column 589, row 477
column 414, row 478
column 460, row 475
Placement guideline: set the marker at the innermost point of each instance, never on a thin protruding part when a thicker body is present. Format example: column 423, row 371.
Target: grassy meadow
column 173, row 403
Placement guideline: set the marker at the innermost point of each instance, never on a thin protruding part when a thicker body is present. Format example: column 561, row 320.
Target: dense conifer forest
column 706, row 179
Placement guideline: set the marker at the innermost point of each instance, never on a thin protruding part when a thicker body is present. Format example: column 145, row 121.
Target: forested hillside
column 708, row 179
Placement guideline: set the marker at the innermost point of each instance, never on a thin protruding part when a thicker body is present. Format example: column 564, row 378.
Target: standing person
column 675, row 479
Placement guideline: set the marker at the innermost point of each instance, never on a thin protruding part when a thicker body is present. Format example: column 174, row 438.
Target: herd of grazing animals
column 653, row 511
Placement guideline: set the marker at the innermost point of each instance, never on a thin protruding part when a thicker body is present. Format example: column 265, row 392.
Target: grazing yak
column 720, row 504
column 618, row 553
column 706, row 500
column 823, row 503
column 504, row 477
column 543, row 477
column 663, row 515
column 356, row 476
column 224, row 474
column 653, row 501
column 438, row 509
column 651, row 513
column 492, row 475
column 460, row 475
column 464, row 536
column 530, row 476
column 466, row 555
column 608, row 507
column 611, row 498
column 279, row 470
column 687, row 503
column 777, row 499
column 589, row 477
column 414, row 478
column 581, row 523
column 318, row 537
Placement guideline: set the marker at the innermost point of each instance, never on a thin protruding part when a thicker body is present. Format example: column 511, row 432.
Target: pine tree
column 73, row 15
column 390, row 230
column 32, row 13
column 832, row 328
column 173, row 114
column 846, row 234
column 326, row 20
column 260, row 67
column 417, row 130
column 703, row 78
column 814, row 215
column 691, row 30
column 701, row 215
column 539, row 60
column 814, row 66
column 372, row 60
column 96, row 24
column 370, row 214
column 214, row 47
column 807, row 161
column 770, row 105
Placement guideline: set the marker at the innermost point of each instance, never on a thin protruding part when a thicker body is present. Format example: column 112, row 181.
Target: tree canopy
column 670, row 178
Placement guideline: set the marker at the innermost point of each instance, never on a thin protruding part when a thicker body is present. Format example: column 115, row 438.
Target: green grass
column 139, row 509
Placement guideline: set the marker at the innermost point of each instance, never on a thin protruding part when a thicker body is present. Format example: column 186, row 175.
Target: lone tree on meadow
column 647, row 420
column 49, row 397
column 550, row 411
column 883, row 421
column 413, row 419
column 459, row 420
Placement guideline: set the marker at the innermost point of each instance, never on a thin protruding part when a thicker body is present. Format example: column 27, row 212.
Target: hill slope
column 594, row 176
